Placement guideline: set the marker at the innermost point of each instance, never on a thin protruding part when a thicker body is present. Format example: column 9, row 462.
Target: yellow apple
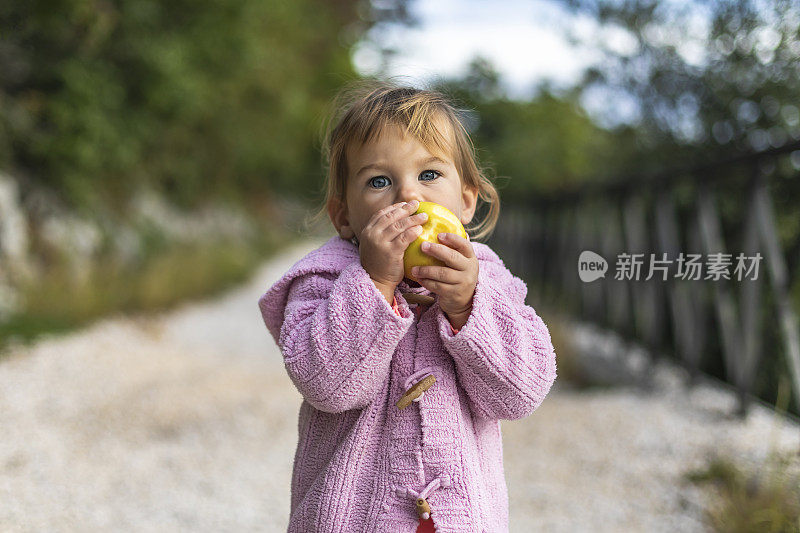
column 440, row 220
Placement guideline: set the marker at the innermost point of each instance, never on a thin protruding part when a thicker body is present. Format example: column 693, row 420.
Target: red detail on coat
column 425, row 526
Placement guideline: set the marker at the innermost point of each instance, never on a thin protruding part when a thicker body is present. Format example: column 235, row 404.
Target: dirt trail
column 186, row 421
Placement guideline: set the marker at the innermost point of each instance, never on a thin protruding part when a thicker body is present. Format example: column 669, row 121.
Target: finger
column 401, row 224
column 459, row 243
column 395, row 220
column 436, row 286
column 408, row 235
column 404, row 223
column 438, row 273
column 385, row 215
column 449, row 256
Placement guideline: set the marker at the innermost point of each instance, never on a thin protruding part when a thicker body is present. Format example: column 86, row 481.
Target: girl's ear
column 469, row 202
column 337, row 211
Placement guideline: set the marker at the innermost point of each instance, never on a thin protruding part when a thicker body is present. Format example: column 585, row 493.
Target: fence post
column 727, row 316
column 778, row 274
column 678, row 291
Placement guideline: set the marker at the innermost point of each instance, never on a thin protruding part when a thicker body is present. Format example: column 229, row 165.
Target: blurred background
column 153, row 153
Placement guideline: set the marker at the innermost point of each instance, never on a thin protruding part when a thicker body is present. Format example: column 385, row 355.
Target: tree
column 546, row 143
column 706, row 76
column 198, row 99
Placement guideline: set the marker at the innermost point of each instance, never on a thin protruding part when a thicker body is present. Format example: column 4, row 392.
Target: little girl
column 404, row 383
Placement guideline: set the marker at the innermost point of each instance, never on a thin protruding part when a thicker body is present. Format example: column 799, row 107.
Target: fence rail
column 740, row 212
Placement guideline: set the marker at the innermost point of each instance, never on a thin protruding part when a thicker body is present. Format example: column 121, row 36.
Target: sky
column 526, row 41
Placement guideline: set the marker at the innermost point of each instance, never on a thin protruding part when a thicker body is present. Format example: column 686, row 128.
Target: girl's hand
column 384, row 240
column 454, row 283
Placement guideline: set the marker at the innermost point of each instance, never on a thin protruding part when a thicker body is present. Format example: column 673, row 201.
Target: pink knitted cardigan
column 361, row 462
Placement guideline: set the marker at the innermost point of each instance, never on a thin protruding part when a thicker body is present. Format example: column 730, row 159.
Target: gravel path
column 186, row 421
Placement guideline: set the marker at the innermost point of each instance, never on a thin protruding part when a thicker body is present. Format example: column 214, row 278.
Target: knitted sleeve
column 338, row 337
column 503, row 354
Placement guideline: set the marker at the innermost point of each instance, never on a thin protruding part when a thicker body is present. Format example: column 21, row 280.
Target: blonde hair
column 361, row 110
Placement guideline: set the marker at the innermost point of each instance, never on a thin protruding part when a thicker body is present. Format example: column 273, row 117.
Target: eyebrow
column 426, row 161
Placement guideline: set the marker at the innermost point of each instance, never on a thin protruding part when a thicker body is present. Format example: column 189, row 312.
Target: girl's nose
column 408, row 195
column 410, row 198
column 409, row 190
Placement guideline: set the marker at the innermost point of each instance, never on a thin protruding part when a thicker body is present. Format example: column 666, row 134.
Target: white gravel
column 186, row 421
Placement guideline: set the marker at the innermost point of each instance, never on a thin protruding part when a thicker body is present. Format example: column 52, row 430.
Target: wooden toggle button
column 418, row 388
column 423, row 509
column 420, row 299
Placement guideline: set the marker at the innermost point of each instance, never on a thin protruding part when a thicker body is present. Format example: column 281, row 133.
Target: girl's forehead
column 389, row 134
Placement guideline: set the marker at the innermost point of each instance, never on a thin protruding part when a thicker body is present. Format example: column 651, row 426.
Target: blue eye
column 432, row 175
column 371, row 181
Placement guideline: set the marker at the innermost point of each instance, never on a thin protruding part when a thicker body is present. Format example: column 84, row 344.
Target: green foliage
column 56, row 302
column 543, row 144
column 539, row 145
column 766, row 501
column 195, row 98
column 708, row 78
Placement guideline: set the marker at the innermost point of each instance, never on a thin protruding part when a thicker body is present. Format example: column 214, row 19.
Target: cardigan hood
column 361, row 462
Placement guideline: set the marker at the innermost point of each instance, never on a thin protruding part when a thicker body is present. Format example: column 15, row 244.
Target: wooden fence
column 687, row 252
